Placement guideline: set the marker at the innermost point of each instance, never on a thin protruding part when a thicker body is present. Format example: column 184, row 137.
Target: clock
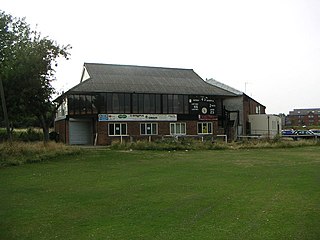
column 204, row 110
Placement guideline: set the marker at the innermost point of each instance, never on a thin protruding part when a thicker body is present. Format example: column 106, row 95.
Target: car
column 303, row 134
column 287, row 132
column 315, row 131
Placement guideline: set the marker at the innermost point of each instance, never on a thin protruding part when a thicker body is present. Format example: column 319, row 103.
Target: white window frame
column 113, row 125
column 175, row 126
column 152, row 131
column 209, row 126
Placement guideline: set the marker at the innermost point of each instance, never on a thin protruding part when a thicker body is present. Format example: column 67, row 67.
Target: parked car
column 287, row 132
column 315, row 132
column 303, row 134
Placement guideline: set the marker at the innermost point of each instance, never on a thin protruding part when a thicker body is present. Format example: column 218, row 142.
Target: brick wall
column 133, row 131
column 62, row 129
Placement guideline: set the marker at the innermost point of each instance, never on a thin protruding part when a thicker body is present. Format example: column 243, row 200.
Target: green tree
column 27, row 68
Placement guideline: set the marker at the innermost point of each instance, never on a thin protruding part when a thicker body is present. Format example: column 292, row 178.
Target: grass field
column 108, row 194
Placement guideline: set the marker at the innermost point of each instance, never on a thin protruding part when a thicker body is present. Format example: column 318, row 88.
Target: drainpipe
column 268, row 127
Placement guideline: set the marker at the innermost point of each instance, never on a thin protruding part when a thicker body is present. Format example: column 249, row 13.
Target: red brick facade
column 101, row 131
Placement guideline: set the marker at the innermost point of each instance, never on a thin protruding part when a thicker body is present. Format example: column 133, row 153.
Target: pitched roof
column 141, row 79
column 230, row 89
column 224, row 86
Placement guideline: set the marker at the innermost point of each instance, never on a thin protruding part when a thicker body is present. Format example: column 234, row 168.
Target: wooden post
column 5, row 112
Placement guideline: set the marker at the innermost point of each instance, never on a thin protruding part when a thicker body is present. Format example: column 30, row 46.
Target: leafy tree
column 27, row 68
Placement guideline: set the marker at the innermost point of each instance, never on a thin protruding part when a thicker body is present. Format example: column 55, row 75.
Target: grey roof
column 141, row 79
column 224, row 86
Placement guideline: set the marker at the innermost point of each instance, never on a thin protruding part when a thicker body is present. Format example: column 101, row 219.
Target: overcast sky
column 268, row 48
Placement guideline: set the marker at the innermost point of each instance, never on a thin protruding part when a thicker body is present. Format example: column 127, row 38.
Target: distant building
column 238, row 109
column 303, row 117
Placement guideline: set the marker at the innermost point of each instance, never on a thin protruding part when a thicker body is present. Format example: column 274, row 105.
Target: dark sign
column 204, row 105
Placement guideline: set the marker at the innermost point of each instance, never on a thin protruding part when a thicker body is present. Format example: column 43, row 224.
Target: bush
column 18, row 153
column 171, row 144
column 31, row 135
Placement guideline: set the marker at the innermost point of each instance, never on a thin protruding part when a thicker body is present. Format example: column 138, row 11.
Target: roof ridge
column 142, row 66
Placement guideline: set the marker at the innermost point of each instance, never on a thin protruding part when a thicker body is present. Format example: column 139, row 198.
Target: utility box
column 265, row 125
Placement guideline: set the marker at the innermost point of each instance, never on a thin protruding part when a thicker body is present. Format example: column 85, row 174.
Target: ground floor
column 103, row 130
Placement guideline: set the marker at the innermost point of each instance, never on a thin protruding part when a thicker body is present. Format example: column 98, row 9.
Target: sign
column 208, row 118
column 102, row 117
column 202, row 105
column 136, row 117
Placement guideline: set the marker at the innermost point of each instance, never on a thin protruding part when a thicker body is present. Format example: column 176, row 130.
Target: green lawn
column 107, row 194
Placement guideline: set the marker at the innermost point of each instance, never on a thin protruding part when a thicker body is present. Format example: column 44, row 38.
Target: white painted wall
column 265, row 125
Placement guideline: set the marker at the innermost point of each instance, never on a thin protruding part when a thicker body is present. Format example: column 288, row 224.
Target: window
column 148, row 128
column 177, row 128
column 117, row 129
column 205, row 128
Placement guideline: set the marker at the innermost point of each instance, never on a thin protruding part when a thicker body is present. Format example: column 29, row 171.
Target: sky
column 269, row 49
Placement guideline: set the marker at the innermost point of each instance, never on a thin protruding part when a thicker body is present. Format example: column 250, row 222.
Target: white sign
column 136, row 117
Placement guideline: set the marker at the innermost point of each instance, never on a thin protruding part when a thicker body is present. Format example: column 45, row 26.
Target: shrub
column 18, row 153
column 31, row 135
column 171, row 144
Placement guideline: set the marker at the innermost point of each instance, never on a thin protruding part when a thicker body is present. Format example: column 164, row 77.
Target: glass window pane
column 121, row 102
column 178, row 128
column 165, row 103
column 117, row 129
column 186, row 104
column 141, row 110
column 175, row 102
column 71, row 104
column 149, row 128
column 205, row 128
column 154, row 128
column 111, row 129
column 172, row 130
column 123, row 129
column 152, row 103
column 143, row 129
column 199, row 128
column 146, row 103
column 127, row 103
column 158, row 103
column 134, row 103
column 170, row 104
column 183, row 128
column 109, row 103
column 115, row 103
column 209, row 127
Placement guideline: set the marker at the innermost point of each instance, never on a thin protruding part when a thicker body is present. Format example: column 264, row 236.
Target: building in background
column 303, row 117
column 124, row 103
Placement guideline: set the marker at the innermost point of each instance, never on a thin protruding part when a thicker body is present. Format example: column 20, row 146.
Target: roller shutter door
column 80, row 132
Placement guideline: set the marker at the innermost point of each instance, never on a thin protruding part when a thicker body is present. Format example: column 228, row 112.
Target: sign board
column 208, row 118
column 204, row 105
column 136, row 117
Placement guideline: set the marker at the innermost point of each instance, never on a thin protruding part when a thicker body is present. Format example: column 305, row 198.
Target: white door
column 80, row 132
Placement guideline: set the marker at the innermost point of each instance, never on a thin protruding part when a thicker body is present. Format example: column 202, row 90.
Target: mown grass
column 113, row 194
column 17, row 153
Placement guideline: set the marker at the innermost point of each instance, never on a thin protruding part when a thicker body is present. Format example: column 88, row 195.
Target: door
column 80, row 132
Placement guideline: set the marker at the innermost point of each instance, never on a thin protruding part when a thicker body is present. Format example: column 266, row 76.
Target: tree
column 27, row 68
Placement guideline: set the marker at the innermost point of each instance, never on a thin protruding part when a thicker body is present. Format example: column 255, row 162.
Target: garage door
column 80, row 132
